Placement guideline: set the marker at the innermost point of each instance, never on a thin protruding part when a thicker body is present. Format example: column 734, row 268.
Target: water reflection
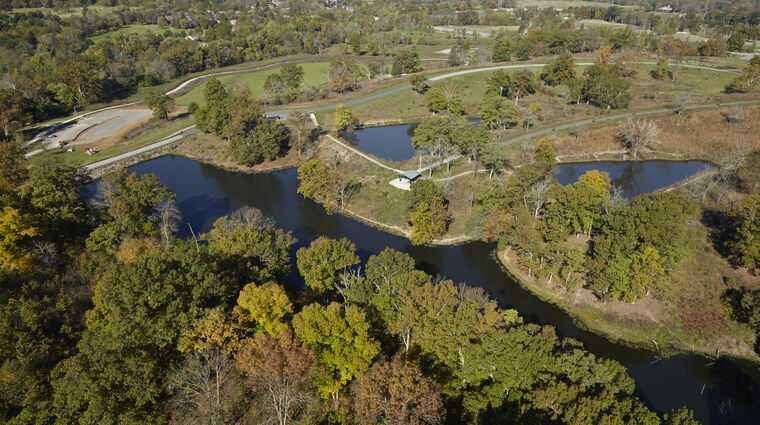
column 204, row 193
column 634, row 177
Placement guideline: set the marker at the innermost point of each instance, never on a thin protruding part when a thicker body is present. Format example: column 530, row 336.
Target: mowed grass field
column 136, row 28
column 315, row 74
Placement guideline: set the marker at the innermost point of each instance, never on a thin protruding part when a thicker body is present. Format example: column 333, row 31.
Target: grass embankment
column 315, row 74
column 212, row 150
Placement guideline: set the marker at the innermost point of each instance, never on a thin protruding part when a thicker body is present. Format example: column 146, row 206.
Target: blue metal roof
column 411, row 174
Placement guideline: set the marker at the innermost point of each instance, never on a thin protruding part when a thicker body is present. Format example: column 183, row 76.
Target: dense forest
column 108, row 317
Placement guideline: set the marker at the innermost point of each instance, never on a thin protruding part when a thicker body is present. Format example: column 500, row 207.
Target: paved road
column 574, row 124
column 173, row 138
column 370, row 98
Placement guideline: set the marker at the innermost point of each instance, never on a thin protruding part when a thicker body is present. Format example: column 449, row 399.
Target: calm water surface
column 391, row 142
column 634, row 177
column 721, row 393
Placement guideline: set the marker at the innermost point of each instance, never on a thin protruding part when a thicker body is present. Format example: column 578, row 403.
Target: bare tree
column 681, row 103
column 733, row 114
column 537, row 195
column 167, row 214
column 577, row 131
column 637, row 135
column 207, row 390
column 251, row 216
column 547, row 111
column 281, row 368
column 301, row 130
column 46, row 252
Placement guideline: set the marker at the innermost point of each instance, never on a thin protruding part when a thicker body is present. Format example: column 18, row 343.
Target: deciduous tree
column 322, row 263
column 340, row 338
column 396, row 393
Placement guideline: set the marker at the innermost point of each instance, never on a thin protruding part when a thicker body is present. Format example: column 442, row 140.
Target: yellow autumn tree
column 15, row 232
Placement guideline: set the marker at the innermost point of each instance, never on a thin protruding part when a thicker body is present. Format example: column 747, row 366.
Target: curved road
column 284, row 112
column 369, row 98
column 390, row 92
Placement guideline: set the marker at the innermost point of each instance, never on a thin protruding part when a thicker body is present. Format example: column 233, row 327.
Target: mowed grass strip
column 315, row 74
column 136, row 28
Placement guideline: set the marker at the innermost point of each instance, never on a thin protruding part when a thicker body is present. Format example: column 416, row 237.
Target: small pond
column 390, row 142
column 634, row 177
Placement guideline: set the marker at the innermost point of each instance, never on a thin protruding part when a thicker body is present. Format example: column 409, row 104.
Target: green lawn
column 137, row 28
column 315, row 73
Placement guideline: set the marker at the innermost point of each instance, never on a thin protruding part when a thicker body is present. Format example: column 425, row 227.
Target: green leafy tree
column 131, row 202
column 748, row 81
column 501, row 50
column 344, row 118
column 139, row 310
column 419, row 83
column 340, row 338
column 604, row 88
column 253, row 138
column 322, row 263
column 13, row 171
column 430, row 221
column 161, row 105
column 355, row 40
column 214, row 115
column 53, row 193
column 662, row 70
column 264, row 250
column 745, row 247
column 436, row 100
column 560, row 70
column 408, row 61
column 497, row 112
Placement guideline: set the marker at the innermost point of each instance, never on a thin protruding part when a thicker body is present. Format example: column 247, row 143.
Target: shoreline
column 667, row 347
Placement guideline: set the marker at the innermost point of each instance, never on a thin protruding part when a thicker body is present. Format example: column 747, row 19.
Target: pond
column 720, row 393
column 390, row 142
column 634, row 177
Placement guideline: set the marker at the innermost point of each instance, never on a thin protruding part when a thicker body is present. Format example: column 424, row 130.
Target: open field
column 315, row 73
column 590, row 23
column 136, row 28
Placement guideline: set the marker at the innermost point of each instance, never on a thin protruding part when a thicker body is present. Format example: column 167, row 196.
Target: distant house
column 667, row 9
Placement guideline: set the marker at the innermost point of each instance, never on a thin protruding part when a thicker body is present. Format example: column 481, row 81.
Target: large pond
column 723, row 392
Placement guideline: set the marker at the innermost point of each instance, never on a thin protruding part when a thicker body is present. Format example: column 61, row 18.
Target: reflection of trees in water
column 350, row 137
column 628, row 178
column 738, row 383
column 410, row 130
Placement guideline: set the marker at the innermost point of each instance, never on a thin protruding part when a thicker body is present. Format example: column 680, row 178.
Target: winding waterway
column 723, row 392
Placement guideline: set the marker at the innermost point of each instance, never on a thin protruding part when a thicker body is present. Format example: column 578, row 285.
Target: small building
column 404, row 180
column 667, row 9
